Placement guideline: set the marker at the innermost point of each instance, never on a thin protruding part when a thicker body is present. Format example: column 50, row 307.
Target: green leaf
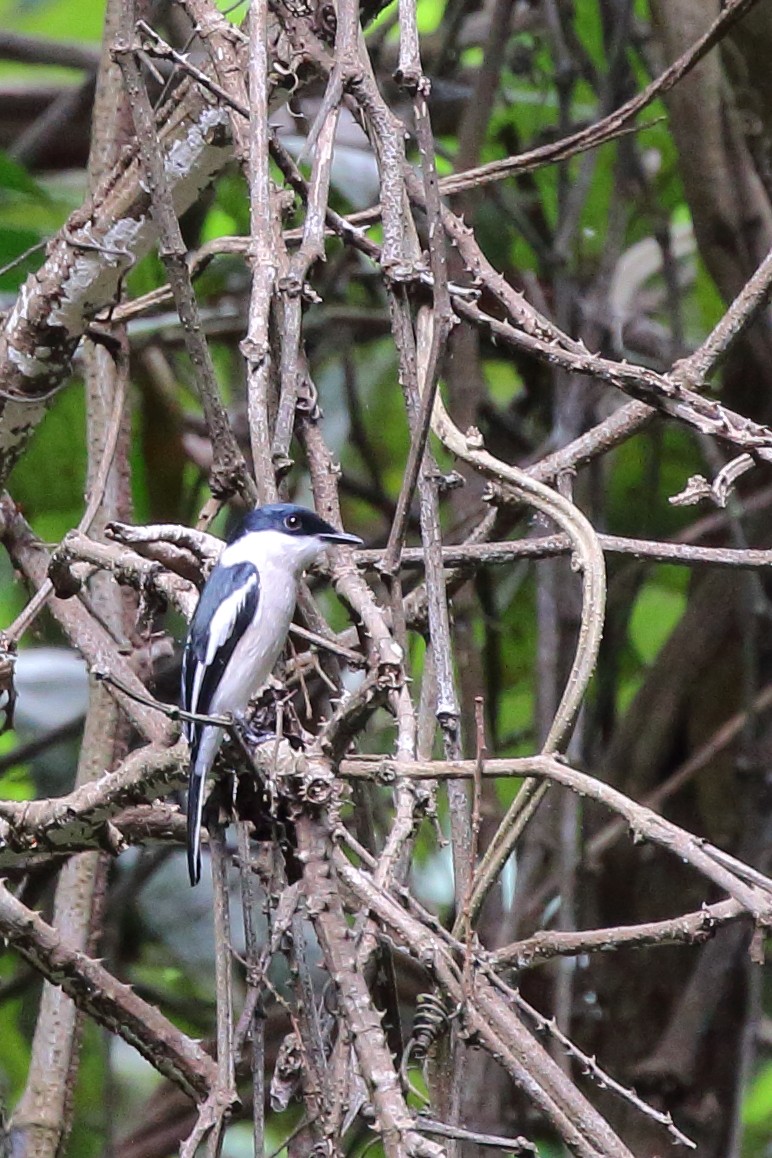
column 16, row 783
column 15, row 1055
column 49, row 481
column 14, row 244
column 757, row 1110
column 429, row 14
column 503, row 380
column 658, row 608
column 15, row 178
column 56, row 20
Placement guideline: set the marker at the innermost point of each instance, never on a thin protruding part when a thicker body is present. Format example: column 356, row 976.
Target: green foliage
column 229, row 212
column 16, row 260
column 14, row 1059
column 14, row 178
column 657, row 610
column 236, row 12
column 91, row 1124
column 49, row 481
column 757, row 1115
column 663, row 457
column 12, row 597
column 16, row 783
column 148, row 274
column 53, row 19
column 502, row 379
column 589, row 30
column 708, row 300
column 28, row 215
column 429, row 13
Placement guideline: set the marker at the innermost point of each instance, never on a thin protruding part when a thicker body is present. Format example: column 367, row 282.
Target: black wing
column 228, row 603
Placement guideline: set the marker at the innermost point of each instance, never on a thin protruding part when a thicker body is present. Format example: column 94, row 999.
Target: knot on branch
column 65, row 581
column 413, row 81
column 402, row 271
column 326, row 23
column 313, row 782
column 282, row 465
column 216, row 133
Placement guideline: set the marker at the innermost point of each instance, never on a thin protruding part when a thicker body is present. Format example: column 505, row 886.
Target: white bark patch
column 92, row 281
column 34, row 365
column 55, row 305
column 184, row 156
column 20, row 306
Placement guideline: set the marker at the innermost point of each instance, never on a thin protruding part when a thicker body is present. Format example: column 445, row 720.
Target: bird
column 238, row 631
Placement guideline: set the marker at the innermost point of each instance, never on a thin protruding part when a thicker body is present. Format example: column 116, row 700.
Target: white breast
column 257, row 651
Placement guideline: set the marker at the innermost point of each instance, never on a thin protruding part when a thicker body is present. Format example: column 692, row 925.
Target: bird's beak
column 342, row 538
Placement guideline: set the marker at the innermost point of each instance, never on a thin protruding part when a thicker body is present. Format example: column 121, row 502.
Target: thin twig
column 442, row 1130
column 466, row 922
column 690, row 928
column 600, row 1076
column 756, row 898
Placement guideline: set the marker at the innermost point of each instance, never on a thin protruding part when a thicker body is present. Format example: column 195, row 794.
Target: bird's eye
column 292, row 522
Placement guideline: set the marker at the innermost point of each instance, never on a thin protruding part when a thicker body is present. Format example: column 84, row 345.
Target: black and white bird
column 239, row 628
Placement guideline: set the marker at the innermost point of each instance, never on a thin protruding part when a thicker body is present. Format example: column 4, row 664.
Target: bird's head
column 294, row 535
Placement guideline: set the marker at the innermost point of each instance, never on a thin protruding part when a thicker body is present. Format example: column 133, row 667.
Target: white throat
column 274, row 550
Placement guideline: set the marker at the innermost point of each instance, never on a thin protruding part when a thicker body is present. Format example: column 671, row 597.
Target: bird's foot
column 247, row 736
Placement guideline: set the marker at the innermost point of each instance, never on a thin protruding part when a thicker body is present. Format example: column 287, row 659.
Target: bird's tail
column 202, row 759
column 195, row 809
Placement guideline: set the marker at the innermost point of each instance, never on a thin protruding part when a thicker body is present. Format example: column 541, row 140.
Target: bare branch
column 109, row 1002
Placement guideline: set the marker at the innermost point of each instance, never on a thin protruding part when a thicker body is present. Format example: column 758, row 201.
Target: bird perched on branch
column 239, row 628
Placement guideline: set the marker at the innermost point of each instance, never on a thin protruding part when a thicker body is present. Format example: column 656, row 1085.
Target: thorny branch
column 110, row 1002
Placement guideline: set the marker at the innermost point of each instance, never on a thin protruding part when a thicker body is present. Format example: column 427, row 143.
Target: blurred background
column 636, row 248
